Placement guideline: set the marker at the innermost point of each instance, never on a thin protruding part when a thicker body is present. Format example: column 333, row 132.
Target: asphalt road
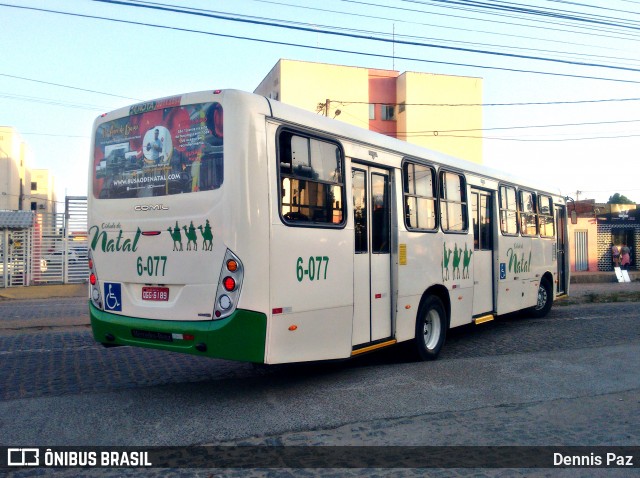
column 570, row 379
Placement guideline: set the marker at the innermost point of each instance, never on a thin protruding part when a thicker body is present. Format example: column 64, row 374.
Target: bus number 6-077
column 153, row 265
column 316, row 268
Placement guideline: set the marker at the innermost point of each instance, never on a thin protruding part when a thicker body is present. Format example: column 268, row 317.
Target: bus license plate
column 155, row 293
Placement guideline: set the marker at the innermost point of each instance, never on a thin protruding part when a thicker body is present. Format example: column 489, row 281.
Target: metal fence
column 15, row 250
column 52, row 251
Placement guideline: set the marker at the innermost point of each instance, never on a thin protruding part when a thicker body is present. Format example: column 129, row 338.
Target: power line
column 333, row 50
column 586, row 138
column 511, row 10
column 595, row 7
column 562, row 125
column 398, row 20
column 48, row 101
column 22, row 133
column 315, row 26
column 154, row 6
column 531, row 103
column 493, row 21
column 58, row 84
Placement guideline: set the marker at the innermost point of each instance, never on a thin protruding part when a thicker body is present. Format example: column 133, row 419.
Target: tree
column 618, row 198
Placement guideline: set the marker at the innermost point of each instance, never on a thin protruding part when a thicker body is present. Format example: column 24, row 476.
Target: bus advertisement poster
column 166, row 151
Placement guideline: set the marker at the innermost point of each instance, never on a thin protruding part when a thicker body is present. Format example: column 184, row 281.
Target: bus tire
column 545, row 299
column 431, row 328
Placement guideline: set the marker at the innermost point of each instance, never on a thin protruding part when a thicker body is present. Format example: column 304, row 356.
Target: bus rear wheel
column 431, row 328
column 545, row 300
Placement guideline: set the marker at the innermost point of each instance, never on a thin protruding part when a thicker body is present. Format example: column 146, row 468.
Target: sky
column 64, row 62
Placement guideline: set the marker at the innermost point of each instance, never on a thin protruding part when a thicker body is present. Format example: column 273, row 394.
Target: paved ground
column 64, row 307
column 569, row 379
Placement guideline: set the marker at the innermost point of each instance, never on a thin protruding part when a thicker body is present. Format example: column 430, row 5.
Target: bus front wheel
column 431, row 328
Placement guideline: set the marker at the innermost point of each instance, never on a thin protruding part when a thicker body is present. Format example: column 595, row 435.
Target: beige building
column 43, row 196
column 15, row 173
column 420, row 108
column 22, row 189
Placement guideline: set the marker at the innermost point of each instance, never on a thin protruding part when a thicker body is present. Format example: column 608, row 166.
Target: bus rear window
column 160, row 152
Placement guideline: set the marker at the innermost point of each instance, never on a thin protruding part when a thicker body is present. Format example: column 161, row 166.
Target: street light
column 574, row 214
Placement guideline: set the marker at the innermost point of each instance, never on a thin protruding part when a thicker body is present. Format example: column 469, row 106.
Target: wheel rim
column 542, row 297
column 431, row 329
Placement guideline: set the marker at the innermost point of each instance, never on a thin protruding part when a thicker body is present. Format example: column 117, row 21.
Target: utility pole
column 327, row 103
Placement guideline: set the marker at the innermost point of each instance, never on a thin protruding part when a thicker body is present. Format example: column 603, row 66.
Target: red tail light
column 229, row 283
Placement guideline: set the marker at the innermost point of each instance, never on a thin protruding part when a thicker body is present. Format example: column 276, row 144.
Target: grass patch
column 593, row 298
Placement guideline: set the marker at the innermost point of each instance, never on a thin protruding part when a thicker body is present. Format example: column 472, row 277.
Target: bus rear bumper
column 240, row 336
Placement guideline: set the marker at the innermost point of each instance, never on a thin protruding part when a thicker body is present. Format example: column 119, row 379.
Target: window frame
column 501, row 209
column 464, row 201
column 523, row 214
column 405, row 195
column 481, row 194
column 551, row 216
column 384, row 112
column 310, row 136
column 384, row 246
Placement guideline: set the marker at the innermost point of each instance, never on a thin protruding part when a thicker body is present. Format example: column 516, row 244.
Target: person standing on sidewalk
column 615, row 255
column 625, row 257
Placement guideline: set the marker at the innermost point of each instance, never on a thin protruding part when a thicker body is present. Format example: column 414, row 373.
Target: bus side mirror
column 574, row 217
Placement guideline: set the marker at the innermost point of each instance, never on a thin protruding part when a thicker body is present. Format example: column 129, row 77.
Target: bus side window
column 528, row 214
column 419, row 196
column 453, row 202
column 311, row 180
column 545, row 216
column 508, row 211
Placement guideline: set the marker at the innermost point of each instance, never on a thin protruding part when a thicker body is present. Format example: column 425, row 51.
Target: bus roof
column 354, row 133
column 341, row 130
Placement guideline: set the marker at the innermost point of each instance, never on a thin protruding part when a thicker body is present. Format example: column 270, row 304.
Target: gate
column 15, row 247
column 47, row 248
column 76, row 240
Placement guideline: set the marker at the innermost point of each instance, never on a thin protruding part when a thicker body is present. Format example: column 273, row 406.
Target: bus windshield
column 159, row 151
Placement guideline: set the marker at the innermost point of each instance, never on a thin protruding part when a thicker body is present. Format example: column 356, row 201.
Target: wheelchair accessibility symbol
column 112, row 296
column 503, row 271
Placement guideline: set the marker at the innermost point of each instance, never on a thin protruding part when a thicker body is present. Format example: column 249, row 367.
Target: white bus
column 270, row 234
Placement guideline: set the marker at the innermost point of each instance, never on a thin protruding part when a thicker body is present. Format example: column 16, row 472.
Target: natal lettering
column 108, row 243
column 518, row 264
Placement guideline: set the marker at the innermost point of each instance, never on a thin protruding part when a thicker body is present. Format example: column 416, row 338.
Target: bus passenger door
column 561, row 248
column 483, row 278
column 372, row 258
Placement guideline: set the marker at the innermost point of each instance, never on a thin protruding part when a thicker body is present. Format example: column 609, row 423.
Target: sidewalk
column 44, row 291
column 80, row 290
column 585, row 292
column 600, row 277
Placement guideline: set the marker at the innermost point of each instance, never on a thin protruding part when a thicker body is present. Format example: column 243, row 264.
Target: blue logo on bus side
column 503, row 270
column 113, row 296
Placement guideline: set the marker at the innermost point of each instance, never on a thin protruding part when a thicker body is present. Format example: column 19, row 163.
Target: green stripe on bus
column 240, row 336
